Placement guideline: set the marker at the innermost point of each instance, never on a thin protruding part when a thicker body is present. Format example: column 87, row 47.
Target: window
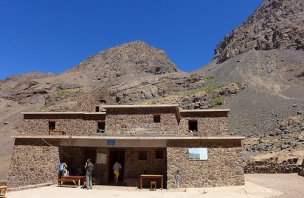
column 159, row 154
column 156, row 118
column 192, row 125
column 52, row 125
column 102, row 101
column 142, row 155
column 101, row 127
column 198, row 153
column 97, row 109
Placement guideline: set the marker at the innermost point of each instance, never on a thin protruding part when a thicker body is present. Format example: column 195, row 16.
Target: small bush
column 208, row 78
column 63, row 91
column 216, row 101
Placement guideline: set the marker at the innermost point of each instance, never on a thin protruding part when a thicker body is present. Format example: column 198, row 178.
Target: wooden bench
column 3, row 190
column 57, row 131
column 146, row 176
column 67, row 180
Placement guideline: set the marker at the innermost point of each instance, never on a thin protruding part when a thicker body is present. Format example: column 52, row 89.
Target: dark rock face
column 276, row 24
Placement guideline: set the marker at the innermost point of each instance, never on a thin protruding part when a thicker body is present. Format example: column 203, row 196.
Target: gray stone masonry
column 224, row 166
column 138, row 121
column 33, row 162
column 70, row 124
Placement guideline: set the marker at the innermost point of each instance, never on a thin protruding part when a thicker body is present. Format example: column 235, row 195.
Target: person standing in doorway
column 89, row 167
column 62, row 169
column 116, row 167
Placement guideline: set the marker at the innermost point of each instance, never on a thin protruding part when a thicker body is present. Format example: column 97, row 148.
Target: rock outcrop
column 276, row 24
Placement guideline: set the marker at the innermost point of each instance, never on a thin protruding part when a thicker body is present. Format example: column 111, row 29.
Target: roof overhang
column 130, row 137
column 156, row 106
column 204, row 110
column 139, row 106
column 161, row 106
column 122, row 141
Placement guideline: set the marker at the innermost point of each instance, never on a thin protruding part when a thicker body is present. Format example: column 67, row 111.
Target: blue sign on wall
column 110, row 142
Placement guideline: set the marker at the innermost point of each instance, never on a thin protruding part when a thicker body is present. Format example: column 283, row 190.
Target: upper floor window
column 156, row 118
column 52, row 125
column 192, row 125
column 97, row 109
column 101, row 127
column 142, row 155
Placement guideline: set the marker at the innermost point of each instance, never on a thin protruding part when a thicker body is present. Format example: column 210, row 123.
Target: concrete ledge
column 10, row 189
column 63, row 113
column 130, row 137
column 205, row 110
column 140, row 106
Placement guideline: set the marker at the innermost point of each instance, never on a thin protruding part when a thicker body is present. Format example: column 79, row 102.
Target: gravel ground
column 250, row 190
column 291, row 185
column 257, row 186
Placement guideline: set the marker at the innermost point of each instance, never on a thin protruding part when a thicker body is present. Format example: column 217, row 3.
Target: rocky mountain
column 266, row 54
column 257, row 72
column 276, row 24
column 127, row 59
column 274, row 88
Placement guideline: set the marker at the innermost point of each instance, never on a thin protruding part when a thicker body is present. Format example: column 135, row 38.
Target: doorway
column 116, row 156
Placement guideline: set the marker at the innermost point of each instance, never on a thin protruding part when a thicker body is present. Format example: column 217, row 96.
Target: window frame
column 101, row 129
column 142, row 155
column 190, row 125
column 52, row 125
column 157, row 118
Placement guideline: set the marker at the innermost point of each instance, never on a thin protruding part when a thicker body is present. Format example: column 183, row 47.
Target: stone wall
column 71, row 124
column 267, row 167
column 140, row 122
column 224, row 166
column 33, row 162
column 206, row 126
column 128, row 121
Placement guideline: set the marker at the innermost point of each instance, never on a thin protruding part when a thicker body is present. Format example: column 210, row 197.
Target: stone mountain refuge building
column 190, row 148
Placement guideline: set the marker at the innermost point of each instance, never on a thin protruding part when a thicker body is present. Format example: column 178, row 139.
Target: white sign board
column 198, row 154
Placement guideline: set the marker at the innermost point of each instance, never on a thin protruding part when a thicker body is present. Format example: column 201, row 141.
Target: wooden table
column 3, row 190
column 145, row 176
column 74, row 178
column 57, row 131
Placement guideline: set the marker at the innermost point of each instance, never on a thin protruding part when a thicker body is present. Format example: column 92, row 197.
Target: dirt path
column 291, row 185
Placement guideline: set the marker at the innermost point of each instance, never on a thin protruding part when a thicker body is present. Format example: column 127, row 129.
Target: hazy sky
column 55, row 35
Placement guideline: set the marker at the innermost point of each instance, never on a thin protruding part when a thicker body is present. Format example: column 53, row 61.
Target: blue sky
column 55, row 35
